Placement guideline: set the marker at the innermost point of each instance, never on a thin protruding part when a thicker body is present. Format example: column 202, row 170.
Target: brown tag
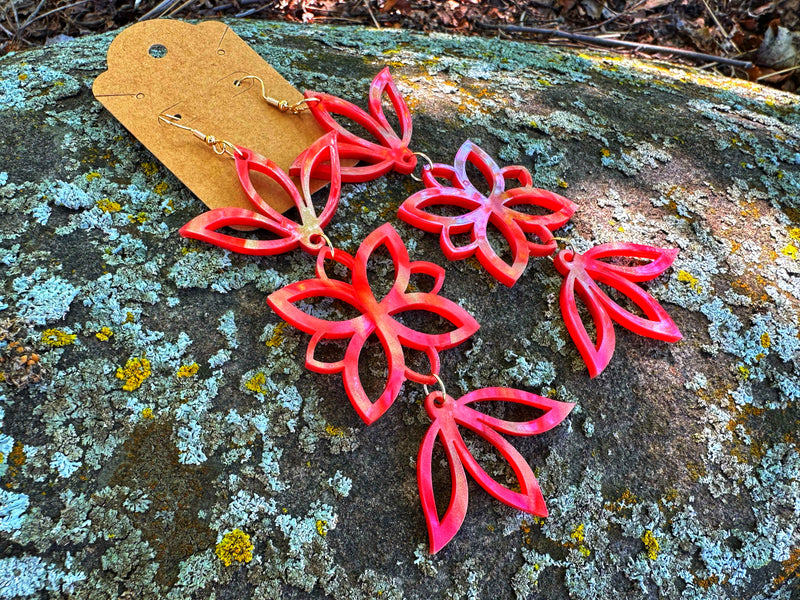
column 171, row 67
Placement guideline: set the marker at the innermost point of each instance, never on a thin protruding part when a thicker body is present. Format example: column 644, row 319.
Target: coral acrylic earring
column 499, row 208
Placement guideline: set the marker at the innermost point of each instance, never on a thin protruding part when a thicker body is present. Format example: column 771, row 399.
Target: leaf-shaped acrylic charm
column 307, row 234
column 391, row 153
column 376, row 317
column 582, row 273
column 497, row 209
column 447, row 415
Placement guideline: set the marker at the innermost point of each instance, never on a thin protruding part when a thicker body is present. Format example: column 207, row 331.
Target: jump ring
column 426, row 157
column 439, row 381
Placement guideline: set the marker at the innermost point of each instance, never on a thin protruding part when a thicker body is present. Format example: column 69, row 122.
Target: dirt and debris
column 765, row 33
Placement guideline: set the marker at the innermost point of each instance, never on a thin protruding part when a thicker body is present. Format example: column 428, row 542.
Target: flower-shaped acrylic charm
column 376, row 317
column 582, row 273
column 500, row 208
column 447, row 415
column 308, row 234
column 389, row 151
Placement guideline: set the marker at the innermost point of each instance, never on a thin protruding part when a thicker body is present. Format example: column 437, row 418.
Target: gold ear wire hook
column 281, row 105
column 219, row 146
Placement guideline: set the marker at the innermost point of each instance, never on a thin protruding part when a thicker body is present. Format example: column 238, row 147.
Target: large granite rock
column 677, row 475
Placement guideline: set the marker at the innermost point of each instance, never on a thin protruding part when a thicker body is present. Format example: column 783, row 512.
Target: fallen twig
column 588, row 39
column 369, row 10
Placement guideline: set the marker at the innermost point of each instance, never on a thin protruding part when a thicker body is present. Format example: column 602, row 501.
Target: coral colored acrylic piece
column 447, row 415
column 307, row 234
column 376, row 318
column 496, row 209
column 582, row 273
column 390, row 153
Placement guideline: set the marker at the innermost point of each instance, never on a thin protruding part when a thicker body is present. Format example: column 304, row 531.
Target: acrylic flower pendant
column 447, row 415
column 376, row 317
column 500, row 208
column 390, row 153
column 582, row 273
column 289, row 234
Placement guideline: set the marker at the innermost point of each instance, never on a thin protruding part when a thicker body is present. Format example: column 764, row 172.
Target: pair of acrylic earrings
column 498, row 209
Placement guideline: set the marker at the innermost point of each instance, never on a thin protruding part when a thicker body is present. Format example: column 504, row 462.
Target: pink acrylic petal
column 441, row 531
column 369, row 410
column 283, row 302
column 471, row 152
column 597, row 354
column 529, row 498
column 661, row 259
column 521, row 174
column 385, row 235
column 464, row 323
column 318, row 366
column 384, row 84
column 554, row 411
column 658, row 324
column 430, row 269
column 204, row 228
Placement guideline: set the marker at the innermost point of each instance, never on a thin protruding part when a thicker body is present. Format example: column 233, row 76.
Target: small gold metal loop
column 328, row 243
column 427, row 158
column 441, row 385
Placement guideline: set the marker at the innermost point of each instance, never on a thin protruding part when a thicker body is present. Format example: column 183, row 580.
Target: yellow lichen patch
column 578, row 533
column 605, row 152
column 765, row 340
column 744, row 372
column 108, row 206
column 187, row 370
column 139, row 218
column 791, row 567
column 277, row 335
column 322, row 527
column 147, row 413
column 16, row 458
column 104, row 334
column 333, row 431
column 651, row 544
column 695, row 470
column 257, row 383
column 161, row 188
column 149, row 168
column 690, row 279
column 93, row 175
column 234, row 546
column 794, row 233
column 707, row 582
column 129, row 318
column 562, row 184
column 134, row 373
column 22, row 76
column 57, row 338
column 790, row 250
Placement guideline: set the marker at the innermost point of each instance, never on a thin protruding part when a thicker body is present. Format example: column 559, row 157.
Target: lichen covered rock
column 170, row 409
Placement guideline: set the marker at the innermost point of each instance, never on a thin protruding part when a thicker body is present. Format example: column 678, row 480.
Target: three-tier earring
column 377, row 317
